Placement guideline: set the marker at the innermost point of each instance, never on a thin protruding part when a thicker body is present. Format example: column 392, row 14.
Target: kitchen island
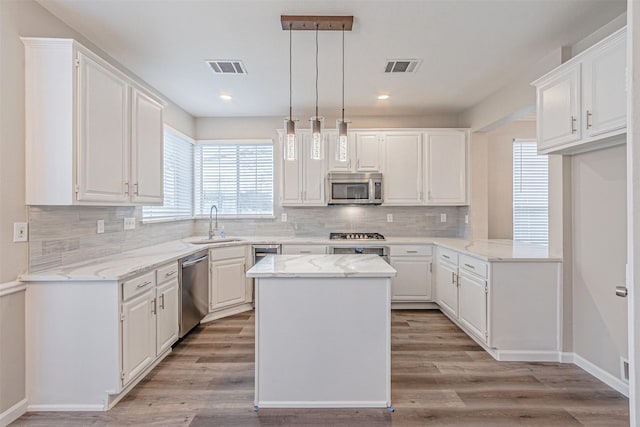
column 323, row 331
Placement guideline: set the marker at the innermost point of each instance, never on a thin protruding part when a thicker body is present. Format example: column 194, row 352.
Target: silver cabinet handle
column 453, row 277
column 162, row 301
column 153, row 307
column 142, row 285
column 589, row 125
column 135, row 188
column 412, row 252
column 445, row 256
column 621, row 291
column 305, row 252
column 470, row 266
column 171, row 273
column 573, row 122
column 126, row 188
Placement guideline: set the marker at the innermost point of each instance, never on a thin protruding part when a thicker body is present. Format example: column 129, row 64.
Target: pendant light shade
column 342, row 143
column 289, row 123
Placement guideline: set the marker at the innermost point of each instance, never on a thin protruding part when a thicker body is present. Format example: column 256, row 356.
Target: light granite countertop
column 128, row 264
column 322, row 266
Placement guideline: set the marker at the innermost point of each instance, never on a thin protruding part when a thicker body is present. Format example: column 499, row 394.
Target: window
column 236, row 176
column 178, row 178
column 530, row 193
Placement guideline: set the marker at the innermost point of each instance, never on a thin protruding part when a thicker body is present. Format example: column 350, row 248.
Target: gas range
column 356, row 236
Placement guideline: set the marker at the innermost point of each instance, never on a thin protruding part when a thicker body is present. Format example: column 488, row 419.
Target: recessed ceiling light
column 225, row 97
column 383, row 97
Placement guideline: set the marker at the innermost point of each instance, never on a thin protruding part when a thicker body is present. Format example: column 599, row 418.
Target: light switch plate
column 389, row 217
column 20, row 232
column 100, row 226
column 443, row 217
column 129, row 223
column 283, row 217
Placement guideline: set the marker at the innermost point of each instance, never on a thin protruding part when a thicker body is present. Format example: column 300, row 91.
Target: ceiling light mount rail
column 310, row 23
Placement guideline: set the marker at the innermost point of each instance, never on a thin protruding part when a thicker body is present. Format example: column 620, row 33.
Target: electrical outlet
column 20, row 232
column 443, row 217
column 283, row 217
column 389, row 217
column 129, row 223
column 466, row 219
column 100, row 226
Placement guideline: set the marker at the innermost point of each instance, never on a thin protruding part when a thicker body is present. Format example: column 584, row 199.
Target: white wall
column 599, row 257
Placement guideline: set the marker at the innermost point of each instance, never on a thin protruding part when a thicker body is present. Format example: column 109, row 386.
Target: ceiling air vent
column 402, row 65
column 227, row 66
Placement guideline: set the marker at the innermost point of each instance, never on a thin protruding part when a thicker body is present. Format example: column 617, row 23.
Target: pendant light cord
column 317, row 26
column 343, row 73
column 290, row 73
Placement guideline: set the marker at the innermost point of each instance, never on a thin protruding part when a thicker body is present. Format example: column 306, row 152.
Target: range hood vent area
column 221, row 66
column 402, row 65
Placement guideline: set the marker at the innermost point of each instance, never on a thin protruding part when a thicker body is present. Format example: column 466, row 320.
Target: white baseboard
column 527, row 356
column 604, row 376
column 412, row 305
column 227, row 312
column 324, row 404
column 13, row 413
column 64, row 408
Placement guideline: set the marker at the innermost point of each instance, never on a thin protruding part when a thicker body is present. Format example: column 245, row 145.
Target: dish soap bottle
column 222, row 232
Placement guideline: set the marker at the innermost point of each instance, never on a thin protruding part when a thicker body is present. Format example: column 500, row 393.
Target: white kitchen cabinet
column 472, row 298
column 581, row 105
column 402, row 168
column 227, row 284
column 303, row 249
column 93, row 135
column 168, row 315
column 447, row 287
column 335, row 165
column 146, row 149
column 138, row 334
column 364, row 150
column 303, row 179
column 446, row 167
column 412, row 284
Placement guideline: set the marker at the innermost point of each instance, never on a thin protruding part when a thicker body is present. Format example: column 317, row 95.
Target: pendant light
column 317, row 146
column 289, row 123
column 342, row 125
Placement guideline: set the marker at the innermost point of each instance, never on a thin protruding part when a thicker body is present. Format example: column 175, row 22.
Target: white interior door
column 633, row 202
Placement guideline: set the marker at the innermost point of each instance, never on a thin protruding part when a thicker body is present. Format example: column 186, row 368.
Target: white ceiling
column 470, row 48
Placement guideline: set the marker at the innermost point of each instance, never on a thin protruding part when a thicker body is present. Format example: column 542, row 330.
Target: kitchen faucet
column 212, row 230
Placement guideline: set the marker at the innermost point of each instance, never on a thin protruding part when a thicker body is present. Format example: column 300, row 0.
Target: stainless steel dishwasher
column 194, row 290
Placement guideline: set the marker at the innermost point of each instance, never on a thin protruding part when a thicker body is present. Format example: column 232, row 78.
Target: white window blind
column 530, row 193
column 236, row 176
column 178, row 178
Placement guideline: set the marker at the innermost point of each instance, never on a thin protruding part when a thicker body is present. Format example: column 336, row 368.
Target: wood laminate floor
column 440, row 377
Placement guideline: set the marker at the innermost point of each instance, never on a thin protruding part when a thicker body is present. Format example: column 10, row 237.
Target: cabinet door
column 402, row 169
column 558, row 103
column 413, row 280
column 604, row 88
column 138, row 335
column 447, row 288
column 368, row 151
column 313, row 174
column 446, row 167
column 473, row 304
column 291, row 191
column 336, row 165
column 228, row 285
column 168, row 322
column 146, row 149
column 103, row 134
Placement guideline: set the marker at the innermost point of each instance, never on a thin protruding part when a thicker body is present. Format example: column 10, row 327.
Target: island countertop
column 321, row 265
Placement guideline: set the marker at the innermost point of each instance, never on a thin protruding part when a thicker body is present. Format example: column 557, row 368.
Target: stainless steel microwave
column 354, row 188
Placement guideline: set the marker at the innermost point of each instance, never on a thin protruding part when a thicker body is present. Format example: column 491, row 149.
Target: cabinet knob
column 621, row 291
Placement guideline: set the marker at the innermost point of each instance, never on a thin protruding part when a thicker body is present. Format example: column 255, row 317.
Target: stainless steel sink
column 206, row 240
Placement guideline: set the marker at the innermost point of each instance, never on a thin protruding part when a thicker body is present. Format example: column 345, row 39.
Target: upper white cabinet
column 402, row 170
column 445, row 167
column 303, row 179
column 93, row 135
column 581, row 105
column 364, row 152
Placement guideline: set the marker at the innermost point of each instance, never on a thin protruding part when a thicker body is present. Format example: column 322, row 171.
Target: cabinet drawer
column 473, row 265
column 227, row 253
column 448, row 255
column 303, row 249
column 167, row 272
column 410, row 250
column 133, row 287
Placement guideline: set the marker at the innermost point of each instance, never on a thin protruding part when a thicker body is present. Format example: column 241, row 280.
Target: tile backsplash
column 61, row 235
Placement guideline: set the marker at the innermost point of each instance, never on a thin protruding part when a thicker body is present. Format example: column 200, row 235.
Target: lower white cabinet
column 228, row 282
column 303, row 249
column 447, row 287
column 472, row 303
column 168, row 312
column 413, row 279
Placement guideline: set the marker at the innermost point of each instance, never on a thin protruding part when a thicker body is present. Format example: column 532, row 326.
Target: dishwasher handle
column 194, row 261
